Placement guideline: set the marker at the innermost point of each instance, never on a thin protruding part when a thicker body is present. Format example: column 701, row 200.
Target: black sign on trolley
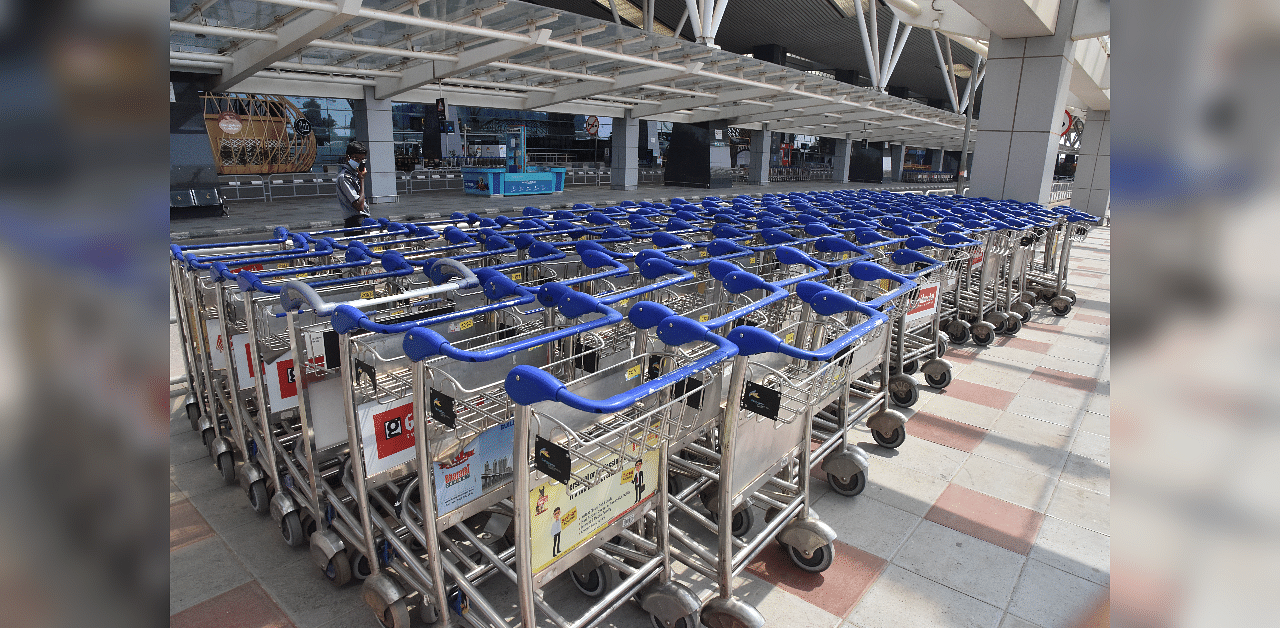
column 761, row 400
column 442, row 409
column 551, row 459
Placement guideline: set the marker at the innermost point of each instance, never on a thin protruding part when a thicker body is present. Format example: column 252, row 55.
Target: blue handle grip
column 754, row 340
column 527, row 385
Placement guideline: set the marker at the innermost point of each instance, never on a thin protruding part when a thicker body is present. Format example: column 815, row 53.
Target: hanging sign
column 230, row 123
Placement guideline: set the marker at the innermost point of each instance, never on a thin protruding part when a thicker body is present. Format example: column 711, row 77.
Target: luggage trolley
column 1046, row 277
column 760, row 450
column 580, row 479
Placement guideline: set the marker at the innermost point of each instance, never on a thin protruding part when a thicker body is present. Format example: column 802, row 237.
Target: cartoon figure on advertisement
column 555, row 532
column 638, row 480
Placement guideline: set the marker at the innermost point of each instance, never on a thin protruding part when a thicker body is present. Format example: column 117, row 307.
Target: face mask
column 355, row 165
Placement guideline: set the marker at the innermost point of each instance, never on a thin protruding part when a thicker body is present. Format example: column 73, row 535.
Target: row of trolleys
column 459, row 417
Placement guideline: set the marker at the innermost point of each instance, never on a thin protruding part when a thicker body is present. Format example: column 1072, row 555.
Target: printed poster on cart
column 386, row 434
column 927, row 303
column 479, row 467
column 565, row 517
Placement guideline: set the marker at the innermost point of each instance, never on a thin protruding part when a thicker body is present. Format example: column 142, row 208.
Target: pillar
column 624, row 173
column 371, row 123
column 936, row 158
column 1092, row 189
column 1023, row 97
column 840, row 163
column 897, row 156
column 758, row 169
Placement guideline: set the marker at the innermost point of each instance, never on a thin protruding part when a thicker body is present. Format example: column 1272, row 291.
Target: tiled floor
column 993, row 514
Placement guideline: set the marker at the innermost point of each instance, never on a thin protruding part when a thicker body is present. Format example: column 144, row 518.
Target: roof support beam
column 677, row 104
column 782, row 112
column 419, row 75
column 574, row 91
column 290, row 38
column 735, row 111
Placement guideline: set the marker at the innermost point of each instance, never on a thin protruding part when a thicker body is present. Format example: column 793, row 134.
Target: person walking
column 350, row 184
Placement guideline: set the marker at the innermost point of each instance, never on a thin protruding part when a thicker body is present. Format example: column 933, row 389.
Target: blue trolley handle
column 871, row 271
column 527, row 385
column 294, row 293
column 421, row 343
column 754, row 340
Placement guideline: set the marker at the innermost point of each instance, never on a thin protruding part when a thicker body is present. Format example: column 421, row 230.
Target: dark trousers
column 555, row 544
column 353, row 222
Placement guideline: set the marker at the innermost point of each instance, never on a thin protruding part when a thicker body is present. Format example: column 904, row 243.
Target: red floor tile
column 987, row 518
column 1096, row 320
column 1096, row 268
column 186, row 526
column 836, row 590
column 246, row 606
column 1070, row 380
column 1023, row 344
column 944, row 431
column 1087, row 275
column 979, row 394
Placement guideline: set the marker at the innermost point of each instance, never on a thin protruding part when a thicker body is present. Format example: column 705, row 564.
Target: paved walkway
column 307, row 214
column 993, row 514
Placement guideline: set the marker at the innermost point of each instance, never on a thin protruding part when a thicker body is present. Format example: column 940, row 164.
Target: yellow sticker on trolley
column 790, row 339
column 282, row 265
column 634, row 371
column 751, row 260
column 467, row 324
column 704, row 318
column 368, row 294
column 517, row 276
column 886, row 285
column 844, row 256
column 569, row 517
column 702, row 253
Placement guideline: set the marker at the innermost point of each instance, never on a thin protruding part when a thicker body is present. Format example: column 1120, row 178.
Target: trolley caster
column 671, row 605
column 847, row 471
column 743, row 519
column 809, row 543
column 1060, row 305
column 1013, row 324
column 1021, row 309
column 1044, row 295
column 193, row 413
column 910, row 366
column 592, row 577
column 1069, row 293
column 937, row 373
column 309, row 525
column 940, row 343
column 888, row 428
column 428, row 612
column 1028, row 297
column 338, row 569
column 998, row 321
column 359, row 566
column 208, row 433
column 903, row 390
column 259, row 499
column 225, row 459
column 291, row 529
column 729, row 613
column 330, row 554
column 958, row 331
column 385, row 597
column 982, row 333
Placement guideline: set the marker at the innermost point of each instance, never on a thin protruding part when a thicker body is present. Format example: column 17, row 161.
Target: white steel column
column 624, row 153
column 758, row 169
column 840, row 162
column 371, row 120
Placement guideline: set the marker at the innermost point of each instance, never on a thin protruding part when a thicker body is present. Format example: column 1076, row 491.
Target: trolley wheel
column 338, row 569
column 854, row 486
column 1013, row 325
column 193, row 415
column 395, row 615
column 309, row 525
column 814, row 563
column 359, row 566
column 910, row 366
column 227, row 466
column 903, row 390
column 208, row 436
column 893, row 440
column 683, row 622
column 594, row 584
column 998, row 320
column 1027, row 297
column 1069, row 293
column 259, row 500
column 291, row 530
column 1044, row 295
column 742, row 522
column 983, row 334
column 1021, row 309
column 958, row 331
column 940, row 381
column 428, row 612
column 1060, row 306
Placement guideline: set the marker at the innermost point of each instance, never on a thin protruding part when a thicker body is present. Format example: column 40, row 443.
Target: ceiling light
column 632, row 13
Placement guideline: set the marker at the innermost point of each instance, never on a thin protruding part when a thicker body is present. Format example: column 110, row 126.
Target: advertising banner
column 480, row 466
column 564, row 517
column 926, row 305
column 386, row 434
